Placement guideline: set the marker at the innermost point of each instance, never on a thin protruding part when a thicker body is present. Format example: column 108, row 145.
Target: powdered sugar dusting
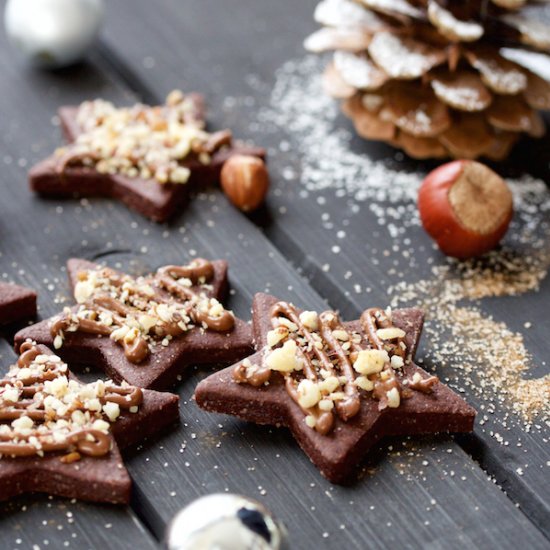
column 323, row 149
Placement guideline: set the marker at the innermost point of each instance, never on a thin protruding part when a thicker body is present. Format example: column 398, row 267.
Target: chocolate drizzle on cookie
column 140, row 313
column 328, row 369
column 43, row 411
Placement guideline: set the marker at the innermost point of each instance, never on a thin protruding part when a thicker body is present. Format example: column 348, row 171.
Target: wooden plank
column 309, row 230
column 429, row 491
column 39, row 521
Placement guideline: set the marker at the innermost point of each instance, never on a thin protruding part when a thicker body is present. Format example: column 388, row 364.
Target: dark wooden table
column 316, row 248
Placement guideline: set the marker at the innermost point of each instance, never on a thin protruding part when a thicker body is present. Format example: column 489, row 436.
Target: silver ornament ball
column 225, row 522
column 53, row 33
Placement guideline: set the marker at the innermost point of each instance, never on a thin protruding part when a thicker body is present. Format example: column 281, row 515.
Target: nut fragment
column 245, row 181
column 390, row 333
column 276, row 335
column 308, row 394
column 397, row 362
column 370, row 361
column 70, row 458
column 310, row 319
column 283, row 359
column 364, row 383
column 393, row 397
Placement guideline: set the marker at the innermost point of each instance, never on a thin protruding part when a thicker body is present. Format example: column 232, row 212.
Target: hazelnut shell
column 245, row 181
column 465, row 207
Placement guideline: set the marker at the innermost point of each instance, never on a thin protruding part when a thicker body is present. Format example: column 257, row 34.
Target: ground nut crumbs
column 142, row 141
column 489, row 356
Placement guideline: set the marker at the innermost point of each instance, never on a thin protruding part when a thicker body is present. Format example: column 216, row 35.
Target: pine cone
column 430, row 77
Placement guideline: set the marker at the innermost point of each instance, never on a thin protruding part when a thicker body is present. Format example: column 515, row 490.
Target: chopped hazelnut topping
column 341, row 335
column 283, row 359
column 391, row 333
column 308, row 394
column 70, row 458
column 309, row 319
column 141, row 141
column 62, row 414
column 364, row 383
column 288, row 324
column 326, row 405
column 276, row 335
column 310, row 421
column 370, row 361
column 330, row 384
column 325, row 366
column 393, row 397
column 139, row 312
column 112, row 411
column 397, row 362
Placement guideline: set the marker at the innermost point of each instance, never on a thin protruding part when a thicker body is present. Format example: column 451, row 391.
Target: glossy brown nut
column 245, row 181
column 465, row 207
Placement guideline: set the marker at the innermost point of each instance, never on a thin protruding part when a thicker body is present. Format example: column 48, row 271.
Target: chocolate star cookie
column 16, row 303
column 147, row 157
column 145, row 330
column 339, row 386
column 62, row 437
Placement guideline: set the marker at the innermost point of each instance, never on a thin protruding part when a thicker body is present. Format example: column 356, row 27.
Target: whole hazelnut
column 245, row 181
column 465, row 207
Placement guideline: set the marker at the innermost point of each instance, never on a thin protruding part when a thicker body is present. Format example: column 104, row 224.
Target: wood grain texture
column 421, row 493
column 41, row 522
column 299, row 226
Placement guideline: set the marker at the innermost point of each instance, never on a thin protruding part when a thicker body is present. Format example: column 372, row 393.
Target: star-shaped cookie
column 145, row 330
column 16, row 303
column 339, row 387
column 149, row 158
column 62, row 437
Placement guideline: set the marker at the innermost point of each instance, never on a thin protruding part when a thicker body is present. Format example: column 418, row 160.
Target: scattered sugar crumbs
column 485, row 355
column 489, row 355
